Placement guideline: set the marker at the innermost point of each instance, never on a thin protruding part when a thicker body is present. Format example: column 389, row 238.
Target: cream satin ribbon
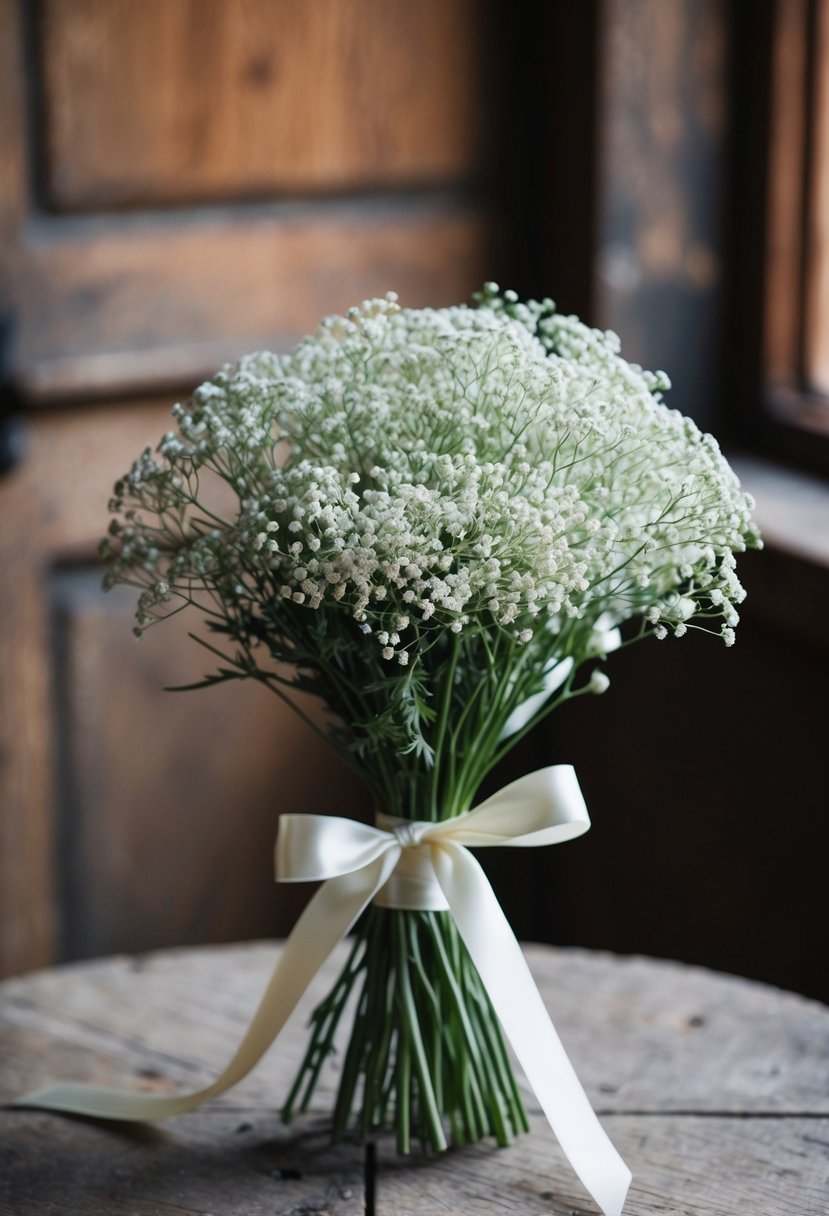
column 356, row 862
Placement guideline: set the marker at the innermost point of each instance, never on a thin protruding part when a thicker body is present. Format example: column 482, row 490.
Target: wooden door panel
column 199, row 99
column 148, row 301
column 125, row 302
column 51, row 510
column 146, row 151
column 130, row 816
column 168, row 802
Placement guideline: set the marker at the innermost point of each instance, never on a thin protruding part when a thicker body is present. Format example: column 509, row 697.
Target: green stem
column 402, row 1108
column 326, row 1019
column 424, row 1034
column 436, row 1134
column 443, row 720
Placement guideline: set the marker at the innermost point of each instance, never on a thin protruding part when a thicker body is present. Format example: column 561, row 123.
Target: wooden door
column 181, row 181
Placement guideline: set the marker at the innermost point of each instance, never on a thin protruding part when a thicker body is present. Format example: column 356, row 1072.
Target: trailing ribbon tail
column 516, row 1000
column 326, row 920
column 356, row 862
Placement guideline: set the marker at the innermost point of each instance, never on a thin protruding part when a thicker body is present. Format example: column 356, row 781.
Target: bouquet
column 437, row 522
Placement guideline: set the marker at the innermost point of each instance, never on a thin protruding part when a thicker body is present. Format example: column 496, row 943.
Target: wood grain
column 13, row 179
column 663, row 114
column 159, row 100
column 783, row 319
column 686, row 1166
column 142, row 303
column 220, row 1164
column 169, row 803
column 714, row 1090
column 184, row 101
column 28, row 897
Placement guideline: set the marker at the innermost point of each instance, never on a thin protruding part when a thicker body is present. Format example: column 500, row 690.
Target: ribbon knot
column 415, row 865
column 405, row 835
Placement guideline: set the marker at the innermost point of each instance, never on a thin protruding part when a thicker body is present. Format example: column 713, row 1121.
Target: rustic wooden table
column 714, row 1089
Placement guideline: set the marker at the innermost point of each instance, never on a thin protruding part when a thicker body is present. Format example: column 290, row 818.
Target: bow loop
column 311, row 848
column 409, row 833
column 545, row 807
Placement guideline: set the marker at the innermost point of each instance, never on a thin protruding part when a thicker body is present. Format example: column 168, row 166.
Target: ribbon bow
column 420, row 865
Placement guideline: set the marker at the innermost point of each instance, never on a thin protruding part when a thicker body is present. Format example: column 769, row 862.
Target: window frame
column 781, row 184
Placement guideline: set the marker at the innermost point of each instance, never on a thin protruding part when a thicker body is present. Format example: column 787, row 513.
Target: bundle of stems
column 426, row 1053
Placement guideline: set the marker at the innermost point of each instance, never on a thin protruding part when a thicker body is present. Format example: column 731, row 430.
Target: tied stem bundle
column 425, row 1042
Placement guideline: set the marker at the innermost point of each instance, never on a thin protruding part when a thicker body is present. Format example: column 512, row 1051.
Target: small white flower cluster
column 499, row 467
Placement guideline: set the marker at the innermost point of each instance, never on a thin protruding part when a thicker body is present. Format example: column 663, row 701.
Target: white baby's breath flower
column 438, row 471
column 599, row 682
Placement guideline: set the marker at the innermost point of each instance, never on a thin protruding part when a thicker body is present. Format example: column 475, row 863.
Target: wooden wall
column 703, row 767
column 181, row 180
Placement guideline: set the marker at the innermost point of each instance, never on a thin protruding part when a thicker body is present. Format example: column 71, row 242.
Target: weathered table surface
column 714, row 1089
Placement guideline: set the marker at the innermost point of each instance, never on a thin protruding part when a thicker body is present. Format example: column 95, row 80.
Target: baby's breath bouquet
column 433, row 521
